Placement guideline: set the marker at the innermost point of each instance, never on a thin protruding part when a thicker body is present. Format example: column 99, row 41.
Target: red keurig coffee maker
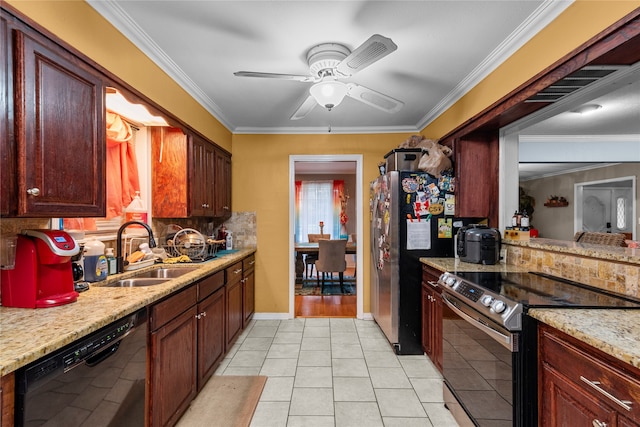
column 42, row 275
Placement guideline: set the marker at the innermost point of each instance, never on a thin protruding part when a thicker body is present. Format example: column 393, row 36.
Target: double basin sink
column 152, row 277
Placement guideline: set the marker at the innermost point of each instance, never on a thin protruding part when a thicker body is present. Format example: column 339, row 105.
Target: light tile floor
column 335, row 372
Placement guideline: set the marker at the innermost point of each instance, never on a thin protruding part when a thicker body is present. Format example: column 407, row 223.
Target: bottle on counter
column 136, row 211
column 112, row 265
column 229, row 239
column 95, row 262
column 524, row 221
column 514, row 219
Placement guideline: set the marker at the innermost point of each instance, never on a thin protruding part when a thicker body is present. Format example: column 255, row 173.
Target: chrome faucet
column 119, row 258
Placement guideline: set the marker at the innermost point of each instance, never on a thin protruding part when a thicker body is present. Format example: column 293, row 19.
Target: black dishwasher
column 99, row 380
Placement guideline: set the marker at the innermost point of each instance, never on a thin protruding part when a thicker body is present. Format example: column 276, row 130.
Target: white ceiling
column 444, row 48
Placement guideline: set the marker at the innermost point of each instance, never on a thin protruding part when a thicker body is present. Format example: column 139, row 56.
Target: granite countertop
column 611, row 331
column 610, row 253
column 614, row 332
column 28, row 334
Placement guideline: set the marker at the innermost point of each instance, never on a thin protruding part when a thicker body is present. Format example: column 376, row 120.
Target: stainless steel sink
column 166, row 272
column 137, row 281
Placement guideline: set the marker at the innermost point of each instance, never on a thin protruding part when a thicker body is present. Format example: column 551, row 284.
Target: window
column 621, row 220
column 315, row 203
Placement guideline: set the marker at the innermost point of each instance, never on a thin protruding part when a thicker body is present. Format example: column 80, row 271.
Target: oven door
column 480, row 358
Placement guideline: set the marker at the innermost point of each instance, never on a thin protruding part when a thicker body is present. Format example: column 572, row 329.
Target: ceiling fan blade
column 375, row 99
column 304, row 109
column 375, row 48
column 296, row 77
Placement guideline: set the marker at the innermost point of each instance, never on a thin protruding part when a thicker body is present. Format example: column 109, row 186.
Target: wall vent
column 573, row 82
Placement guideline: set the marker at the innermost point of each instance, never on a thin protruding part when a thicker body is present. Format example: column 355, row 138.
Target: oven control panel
column 485, row 301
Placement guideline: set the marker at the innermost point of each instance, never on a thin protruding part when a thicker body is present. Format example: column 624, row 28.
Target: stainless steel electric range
column 489, row 341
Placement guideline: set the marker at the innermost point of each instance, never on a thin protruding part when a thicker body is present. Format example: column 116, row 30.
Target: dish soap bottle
column 95, row 263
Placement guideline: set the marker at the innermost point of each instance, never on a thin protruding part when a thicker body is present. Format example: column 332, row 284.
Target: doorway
column 326, row 165
column 606, row 206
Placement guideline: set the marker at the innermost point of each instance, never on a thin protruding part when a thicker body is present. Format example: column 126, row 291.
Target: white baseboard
column 285, row 316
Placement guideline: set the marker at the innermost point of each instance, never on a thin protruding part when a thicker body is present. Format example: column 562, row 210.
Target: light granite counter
column 28, row 334
column 454, row 264
column 615, row 332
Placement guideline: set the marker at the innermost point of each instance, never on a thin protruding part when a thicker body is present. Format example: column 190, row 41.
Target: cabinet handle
column 598, row 423
column 35, row 191
column 204, row 314
column 198, row 316
column 226, row 208
column 626, row 404
column 252, row 262
column 201, row 315
column 237, row 271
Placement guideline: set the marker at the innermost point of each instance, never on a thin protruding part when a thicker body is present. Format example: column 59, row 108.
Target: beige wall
column 261, row 168
column 557, row 223
column 260, row 162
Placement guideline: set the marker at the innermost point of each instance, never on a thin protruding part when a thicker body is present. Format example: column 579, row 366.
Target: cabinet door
column 173, row 368
column 234, row 311
column 222, row 205
column 432, row 316
column 564, row 404
column 248, row 292
column 234, row 301
column 60, row 132
column 476, row 178
column 8, row 185
column 202, row 185
column 170, row 173
column 211, row 342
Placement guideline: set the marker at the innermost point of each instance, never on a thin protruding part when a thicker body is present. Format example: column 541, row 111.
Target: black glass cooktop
column 542, row 290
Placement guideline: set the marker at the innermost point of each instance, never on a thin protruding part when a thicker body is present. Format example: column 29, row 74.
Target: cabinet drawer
column 583, row 364
column 170, row 308
column 248, row 264
column 210, row 284
column 234, row 273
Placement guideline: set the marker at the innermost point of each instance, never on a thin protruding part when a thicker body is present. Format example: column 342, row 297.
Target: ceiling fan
column 330, row 62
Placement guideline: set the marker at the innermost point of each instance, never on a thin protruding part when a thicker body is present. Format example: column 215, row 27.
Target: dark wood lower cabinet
column 432, row 316
column 234, row 302
column 174, row 368
column 581, row 386
column 187, row 345
column 248, row 289
column 211, row 342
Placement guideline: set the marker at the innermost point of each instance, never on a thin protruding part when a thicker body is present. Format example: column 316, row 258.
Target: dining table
column 303, row 248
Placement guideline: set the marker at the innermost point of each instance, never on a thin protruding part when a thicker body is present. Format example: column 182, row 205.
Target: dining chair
column 310, row 259
column 331, row 258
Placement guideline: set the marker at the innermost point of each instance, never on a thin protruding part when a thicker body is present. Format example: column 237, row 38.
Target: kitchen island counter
column 612, row 331
column 29, row 334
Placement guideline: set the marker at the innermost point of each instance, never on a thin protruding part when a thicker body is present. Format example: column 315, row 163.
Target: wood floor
column 325, row 306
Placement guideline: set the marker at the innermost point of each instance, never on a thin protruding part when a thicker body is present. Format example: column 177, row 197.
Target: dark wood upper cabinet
column 7, row 146
column 222, row 196
column 476, row 172
column 190, row 176
column 57, row 153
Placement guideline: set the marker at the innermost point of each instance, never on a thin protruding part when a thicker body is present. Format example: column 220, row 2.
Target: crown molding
column 326, row 130
column 540, row 18
column 121, row 20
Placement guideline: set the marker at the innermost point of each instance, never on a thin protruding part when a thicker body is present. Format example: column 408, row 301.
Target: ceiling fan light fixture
column 587, row 108
column 329, row 93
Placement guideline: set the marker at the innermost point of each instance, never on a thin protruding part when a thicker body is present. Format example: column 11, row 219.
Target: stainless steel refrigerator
column 412, row 216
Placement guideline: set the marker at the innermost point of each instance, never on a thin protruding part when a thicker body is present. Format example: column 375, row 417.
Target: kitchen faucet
column 119, row 259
